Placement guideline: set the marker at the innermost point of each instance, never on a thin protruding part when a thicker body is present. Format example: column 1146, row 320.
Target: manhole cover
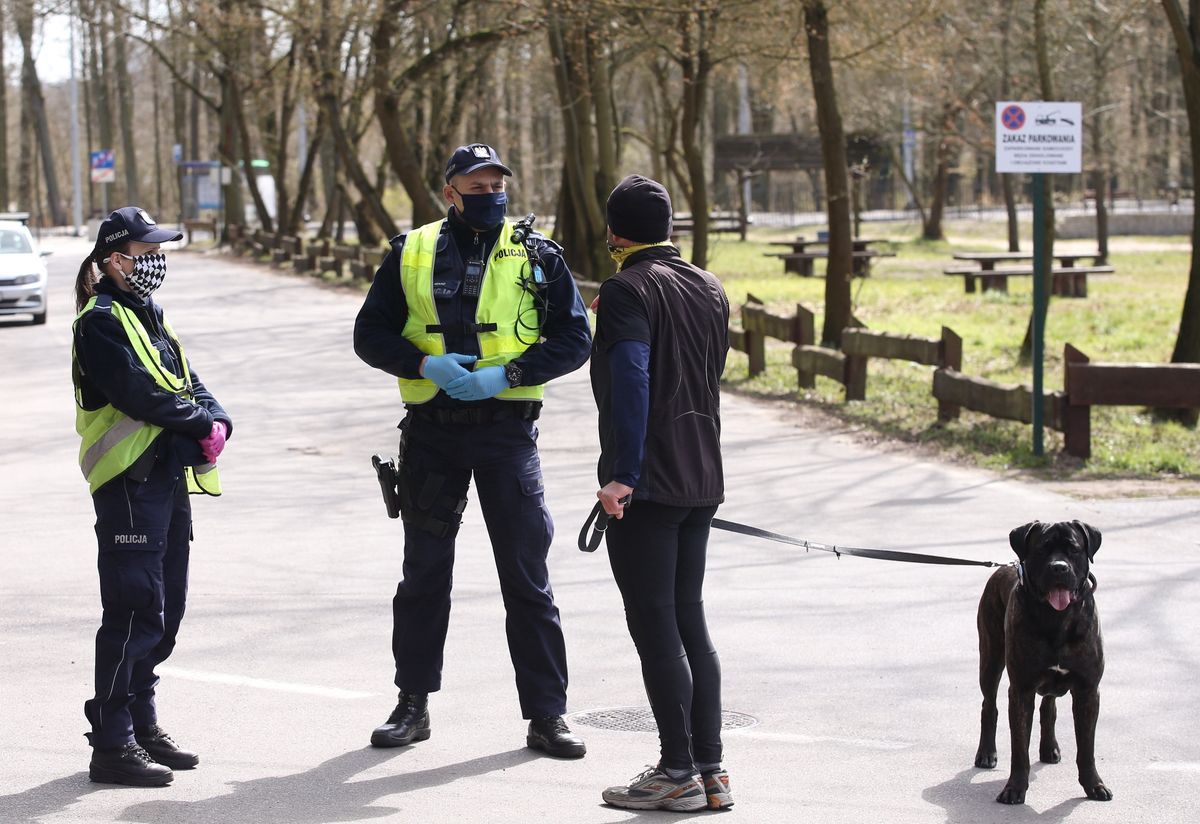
column 641, row 719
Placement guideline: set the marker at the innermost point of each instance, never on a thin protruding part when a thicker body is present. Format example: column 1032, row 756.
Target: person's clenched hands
column 475, row 386
column 214, row 443
column 442, row 369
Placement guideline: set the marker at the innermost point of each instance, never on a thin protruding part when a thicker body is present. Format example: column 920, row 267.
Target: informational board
column 1039, row 137
column 104, row 166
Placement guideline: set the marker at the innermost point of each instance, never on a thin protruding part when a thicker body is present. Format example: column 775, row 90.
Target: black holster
column 417, row 506
column 388, row 473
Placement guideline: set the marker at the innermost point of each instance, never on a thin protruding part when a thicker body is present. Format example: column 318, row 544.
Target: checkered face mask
column 148, row 273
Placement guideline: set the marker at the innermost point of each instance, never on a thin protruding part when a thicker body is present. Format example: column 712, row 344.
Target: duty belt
column 521, row 410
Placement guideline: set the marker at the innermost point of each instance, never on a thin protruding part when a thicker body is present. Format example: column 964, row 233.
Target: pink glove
column 213, row 445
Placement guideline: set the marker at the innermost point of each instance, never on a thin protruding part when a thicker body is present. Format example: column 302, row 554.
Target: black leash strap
column 861, row 552
column 600, row 518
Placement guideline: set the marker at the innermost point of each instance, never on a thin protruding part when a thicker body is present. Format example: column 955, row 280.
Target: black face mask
column 485, row 211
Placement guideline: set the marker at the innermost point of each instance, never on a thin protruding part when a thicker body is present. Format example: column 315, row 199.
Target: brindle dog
column 1039, row 620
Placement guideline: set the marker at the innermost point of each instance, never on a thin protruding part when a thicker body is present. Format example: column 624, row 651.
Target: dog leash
column 600, row 519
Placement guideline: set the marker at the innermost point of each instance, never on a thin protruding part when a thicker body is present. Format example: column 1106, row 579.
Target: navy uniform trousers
column 144, row 530
column 502, row 456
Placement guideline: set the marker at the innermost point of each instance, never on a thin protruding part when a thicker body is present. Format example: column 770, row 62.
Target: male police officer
column 473, row 323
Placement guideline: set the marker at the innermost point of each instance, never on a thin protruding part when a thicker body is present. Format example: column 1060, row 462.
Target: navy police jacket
column 110, row 372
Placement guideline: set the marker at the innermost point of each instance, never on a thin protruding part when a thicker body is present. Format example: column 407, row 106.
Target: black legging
column 657, row 553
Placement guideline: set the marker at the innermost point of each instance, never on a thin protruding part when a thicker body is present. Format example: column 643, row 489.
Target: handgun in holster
column 388, row 473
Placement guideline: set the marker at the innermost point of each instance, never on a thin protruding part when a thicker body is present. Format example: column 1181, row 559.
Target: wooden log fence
column 1012, row 402
column 1166, row 385
column 1087, row 384
column 311, row 256
column 859, row 345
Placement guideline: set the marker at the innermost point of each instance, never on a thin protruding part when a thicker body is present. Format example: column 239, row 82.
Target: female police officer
column 151, row 434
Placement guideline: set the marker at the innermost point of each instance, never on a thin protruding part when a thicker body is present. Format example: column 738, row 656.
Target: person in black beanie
column 657, row 358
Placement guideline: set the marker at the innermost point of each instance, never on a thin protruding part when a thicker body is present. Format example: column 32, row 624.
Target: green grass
column 1132, row 316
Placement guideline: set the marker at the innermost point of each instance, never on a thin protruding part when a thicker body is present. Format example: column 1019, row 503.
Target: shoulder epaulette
column 397, row 243
column 550, row 245
column 103, row 303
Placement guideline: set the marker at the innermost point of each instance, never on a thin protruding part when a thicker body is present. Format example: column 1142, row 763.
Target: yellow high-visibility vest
column 111, row 440
column 503, row 304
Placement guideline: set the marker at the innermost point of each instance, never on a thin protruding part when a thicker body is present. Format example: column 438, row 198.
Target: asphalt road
column 860, row 675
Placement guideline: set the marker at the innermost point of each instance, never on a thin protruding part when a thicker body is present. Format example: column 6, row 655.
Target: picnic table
column 1068, row 279
column 718, row 223
column 800, row 259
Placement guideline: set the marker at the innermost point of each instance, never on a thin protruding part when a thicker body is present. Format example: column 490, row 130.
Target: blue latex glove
column 475, row 386
column 442, row 369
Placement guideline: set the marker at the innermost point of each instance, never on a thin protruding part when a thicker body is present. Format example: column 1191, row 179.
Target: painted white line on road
column 261, row 683
column 1175, row 766
column 797, row 738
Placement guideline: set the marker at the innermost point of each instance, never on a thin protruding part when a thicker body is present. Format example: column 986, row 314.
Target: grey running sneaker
column 653, row 789
column 716, row 787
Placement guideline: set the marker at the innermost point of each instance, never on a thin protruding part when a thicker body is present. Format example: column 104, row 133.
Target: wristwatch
column 514, row 373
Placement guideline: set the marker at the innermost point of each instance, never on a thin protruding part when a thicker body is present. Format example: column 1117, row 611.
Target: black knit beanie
column 639, row 209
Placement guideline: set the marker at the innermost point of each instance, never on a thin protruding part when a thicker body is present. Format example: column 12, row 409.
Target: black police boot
column 164, row 750
column 409, row 722
column 129, row 764
column 551, row 736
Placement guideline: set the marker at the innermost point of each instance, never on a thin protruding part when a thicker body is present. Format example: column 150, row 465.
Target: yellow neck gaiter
column 621, row 253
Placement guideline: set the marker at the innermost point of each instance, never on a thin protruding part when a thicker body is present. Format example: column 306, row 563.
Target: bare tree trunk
column 279, row 136
column 36, row 105
column 229, row 150
column 128, row 157
column 401, row 152
column 932, row 229
column 1186, row 31
column 1006, row 180
column 101, row 65
column 833, row 157
column 1046, row 83
column 589, row 156
column 295, row 221
column 327, row 91
column 239, row 114
column 1097, row 137
column 3, row 115
column 158, row 171
column 696, row 67
column 179, row 130
column 193, row 142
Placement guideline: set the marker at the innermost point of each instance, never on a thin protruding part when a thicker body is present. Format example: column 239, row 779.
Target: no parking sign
column 1039, row 136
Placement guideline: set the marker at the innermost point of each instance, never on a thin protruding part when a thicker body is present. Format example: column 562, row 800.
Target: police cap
column 129, row 223
column 473, row 156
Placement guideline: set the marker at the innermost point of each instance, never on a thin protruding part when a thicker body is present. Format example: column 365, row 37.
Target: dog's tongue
column 1059, row 598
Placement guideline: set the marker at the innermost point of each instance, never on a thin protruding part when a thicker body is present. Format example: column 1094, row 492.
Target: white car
column 22, row 272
